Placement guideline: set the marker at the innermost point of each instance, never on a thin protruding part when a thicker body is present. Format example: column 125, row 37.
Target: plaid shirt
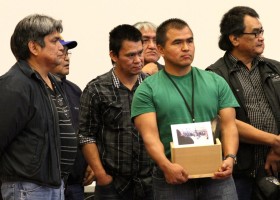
column 105, row 120
column 259, row 110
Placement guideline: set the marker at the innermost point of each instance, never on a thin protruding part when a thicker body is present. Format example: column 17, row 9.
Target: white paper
column 192, row 134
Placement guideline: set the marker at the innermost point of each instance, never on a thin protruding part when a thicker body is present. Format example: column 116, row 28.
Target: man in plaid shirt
column 111, row 144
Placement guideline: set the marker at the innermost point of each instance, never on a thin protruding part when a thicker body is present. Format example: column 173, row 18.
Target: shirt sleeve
column 226, row 97
column 88, row 116
column 142, row 100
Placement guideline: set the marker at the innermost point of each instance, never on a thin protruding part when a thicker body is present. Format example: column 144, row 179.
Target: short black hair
column 165, row 26
column 121, row 33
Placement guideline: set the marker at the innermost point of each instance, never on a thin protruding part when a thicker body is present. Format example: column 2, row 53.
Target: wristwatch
column 231, row 156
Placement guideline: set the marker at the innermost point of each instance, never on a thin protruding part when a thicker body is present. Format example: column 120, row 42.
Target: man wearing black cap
column 79, row 175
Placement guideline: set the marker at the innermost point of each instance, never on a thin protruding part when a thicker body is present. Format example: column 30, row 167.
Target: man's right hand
column 276, row 146
column 150, row 68
column 104, row 179
column 175, row 174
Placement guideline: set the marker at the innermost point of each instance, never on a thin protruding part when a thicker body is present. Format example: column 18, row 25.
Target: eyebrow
column 179, row 39
column 148, row 37
column 257, row 29
column 134, row 52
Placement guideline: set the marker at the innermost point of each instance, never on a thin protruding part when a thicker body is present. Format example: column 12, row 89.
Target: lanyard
column 191, row 111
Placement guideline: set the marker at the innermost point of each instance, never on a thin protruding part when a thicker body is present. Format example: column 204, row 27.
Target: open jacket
column 29, row 131
column 270, row 76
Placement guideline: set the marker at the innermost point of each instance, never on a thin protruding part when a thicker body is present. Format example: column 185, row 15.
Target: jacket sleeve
column 14, row 109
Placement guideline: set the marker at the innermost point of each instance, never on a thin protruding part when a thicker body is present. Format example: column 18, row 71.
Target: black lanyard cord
column 191, row 111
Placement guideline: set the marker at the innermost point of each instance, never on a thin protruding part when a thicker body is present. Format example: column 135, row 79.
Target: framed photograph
column 194, row 134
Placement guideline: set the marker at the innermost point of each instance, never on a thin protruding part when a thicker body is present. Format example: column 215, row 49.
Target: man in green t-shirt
column 184, row 94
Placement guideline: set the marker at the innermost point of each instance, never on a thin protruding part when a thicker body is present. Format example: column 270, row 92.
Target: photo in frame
column 192, row 134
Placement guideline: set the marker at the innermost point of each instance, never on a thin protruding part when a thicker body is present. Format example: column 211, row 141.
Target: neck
column 38, row 68
column 128, row 81
column 177, row 71
column 246, row 60
column 59, row 77
column 43, row 73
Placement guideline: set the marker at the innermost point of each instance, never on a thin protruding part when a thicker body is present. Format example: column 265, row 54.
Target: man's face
column 62, row 69
column 51, row 54
column 130, row 59
column 250, row 45
column 179, row 48
column 150, row 52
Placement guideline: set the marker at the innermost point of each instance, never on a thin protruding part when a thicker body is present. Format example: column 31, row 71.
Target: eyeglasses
column 67, row 53
column 257, row 33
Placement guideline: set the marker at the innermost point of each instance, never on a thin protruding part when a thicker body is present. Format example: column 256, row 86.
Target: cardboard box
column 198, row 161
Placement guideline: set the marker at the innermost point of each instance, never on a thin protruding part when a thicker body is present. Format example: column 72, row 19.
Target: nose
column 185, row 46
column 60, row 46
column 151, row 43
column 66, row 57
column 138, row 58
column 261, row 37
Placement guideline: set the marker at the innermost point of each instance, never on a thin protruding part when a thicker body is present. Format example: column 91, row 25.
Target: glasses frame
column 67, row 53
column 256, row 33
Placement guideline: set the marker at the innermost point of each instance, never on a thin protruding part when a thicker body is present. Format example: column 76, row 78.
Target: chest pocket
column 275, row 80
column 112, row 113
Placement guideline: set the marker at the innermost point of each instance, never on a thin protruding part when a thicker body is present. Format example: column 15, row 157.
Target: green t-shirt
column 158, row 94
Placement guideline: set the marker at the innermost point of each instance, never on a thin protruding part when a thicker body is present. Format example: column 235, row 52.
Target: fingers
column 89, row 177
column 224, row 171
column 88, row 180
column 222, row 175
column 178, row 178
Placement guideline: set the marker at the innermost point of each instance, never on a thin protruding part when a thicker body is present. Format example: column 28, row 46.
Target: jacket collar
column 234, row 64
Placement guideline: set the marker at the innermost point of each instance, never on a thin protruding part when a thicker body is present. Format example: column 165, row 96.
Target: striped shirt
column 68, row 137
column 257, row 105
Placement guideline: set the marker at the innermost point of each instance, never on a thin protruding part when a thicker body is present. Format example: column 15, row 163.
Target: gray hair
column 145, row 25
column 32, row 28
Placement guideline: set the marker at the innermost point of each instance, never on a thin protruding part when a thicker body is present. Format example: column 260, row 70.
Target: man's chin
column 151, row 60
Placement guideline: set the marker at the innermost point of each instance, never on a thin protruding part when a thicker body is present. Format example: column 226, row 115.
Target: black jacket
column 29, row 132
column 73, row 93
column 270, row 76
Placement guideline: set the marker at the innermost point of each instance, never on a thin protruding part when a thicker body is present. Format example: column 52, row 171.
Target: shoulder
column 204, row 73
column 72, row 85
column 152, row 79
column 17, row 85
column 273, row 62
column 104, row 80
column 16, row 79
column 220, row 63
column 209, row 76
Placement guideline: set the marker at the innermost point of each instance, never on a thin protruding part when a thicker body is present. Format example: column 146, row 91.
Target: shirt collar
column 117, row 82
column 236, row 62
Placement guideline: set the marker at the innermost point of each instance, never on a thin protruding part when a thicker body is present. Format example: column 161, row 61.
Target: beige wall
column 89, row 22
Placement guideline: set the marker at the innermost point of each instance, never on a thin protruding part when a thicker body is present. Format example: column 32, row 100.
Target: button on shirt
column 105, row 120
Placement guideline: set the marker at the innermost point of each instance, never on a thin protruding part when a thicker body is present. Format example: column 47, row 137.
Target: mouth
column 151, row 52
column 186, row 56
column 138, row 67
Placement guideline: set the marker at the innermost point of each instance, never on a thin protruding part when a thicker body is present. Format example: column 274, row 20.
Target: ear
column 33, row 47
column 160, row 50
column 113, row 56
column 234, row 40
